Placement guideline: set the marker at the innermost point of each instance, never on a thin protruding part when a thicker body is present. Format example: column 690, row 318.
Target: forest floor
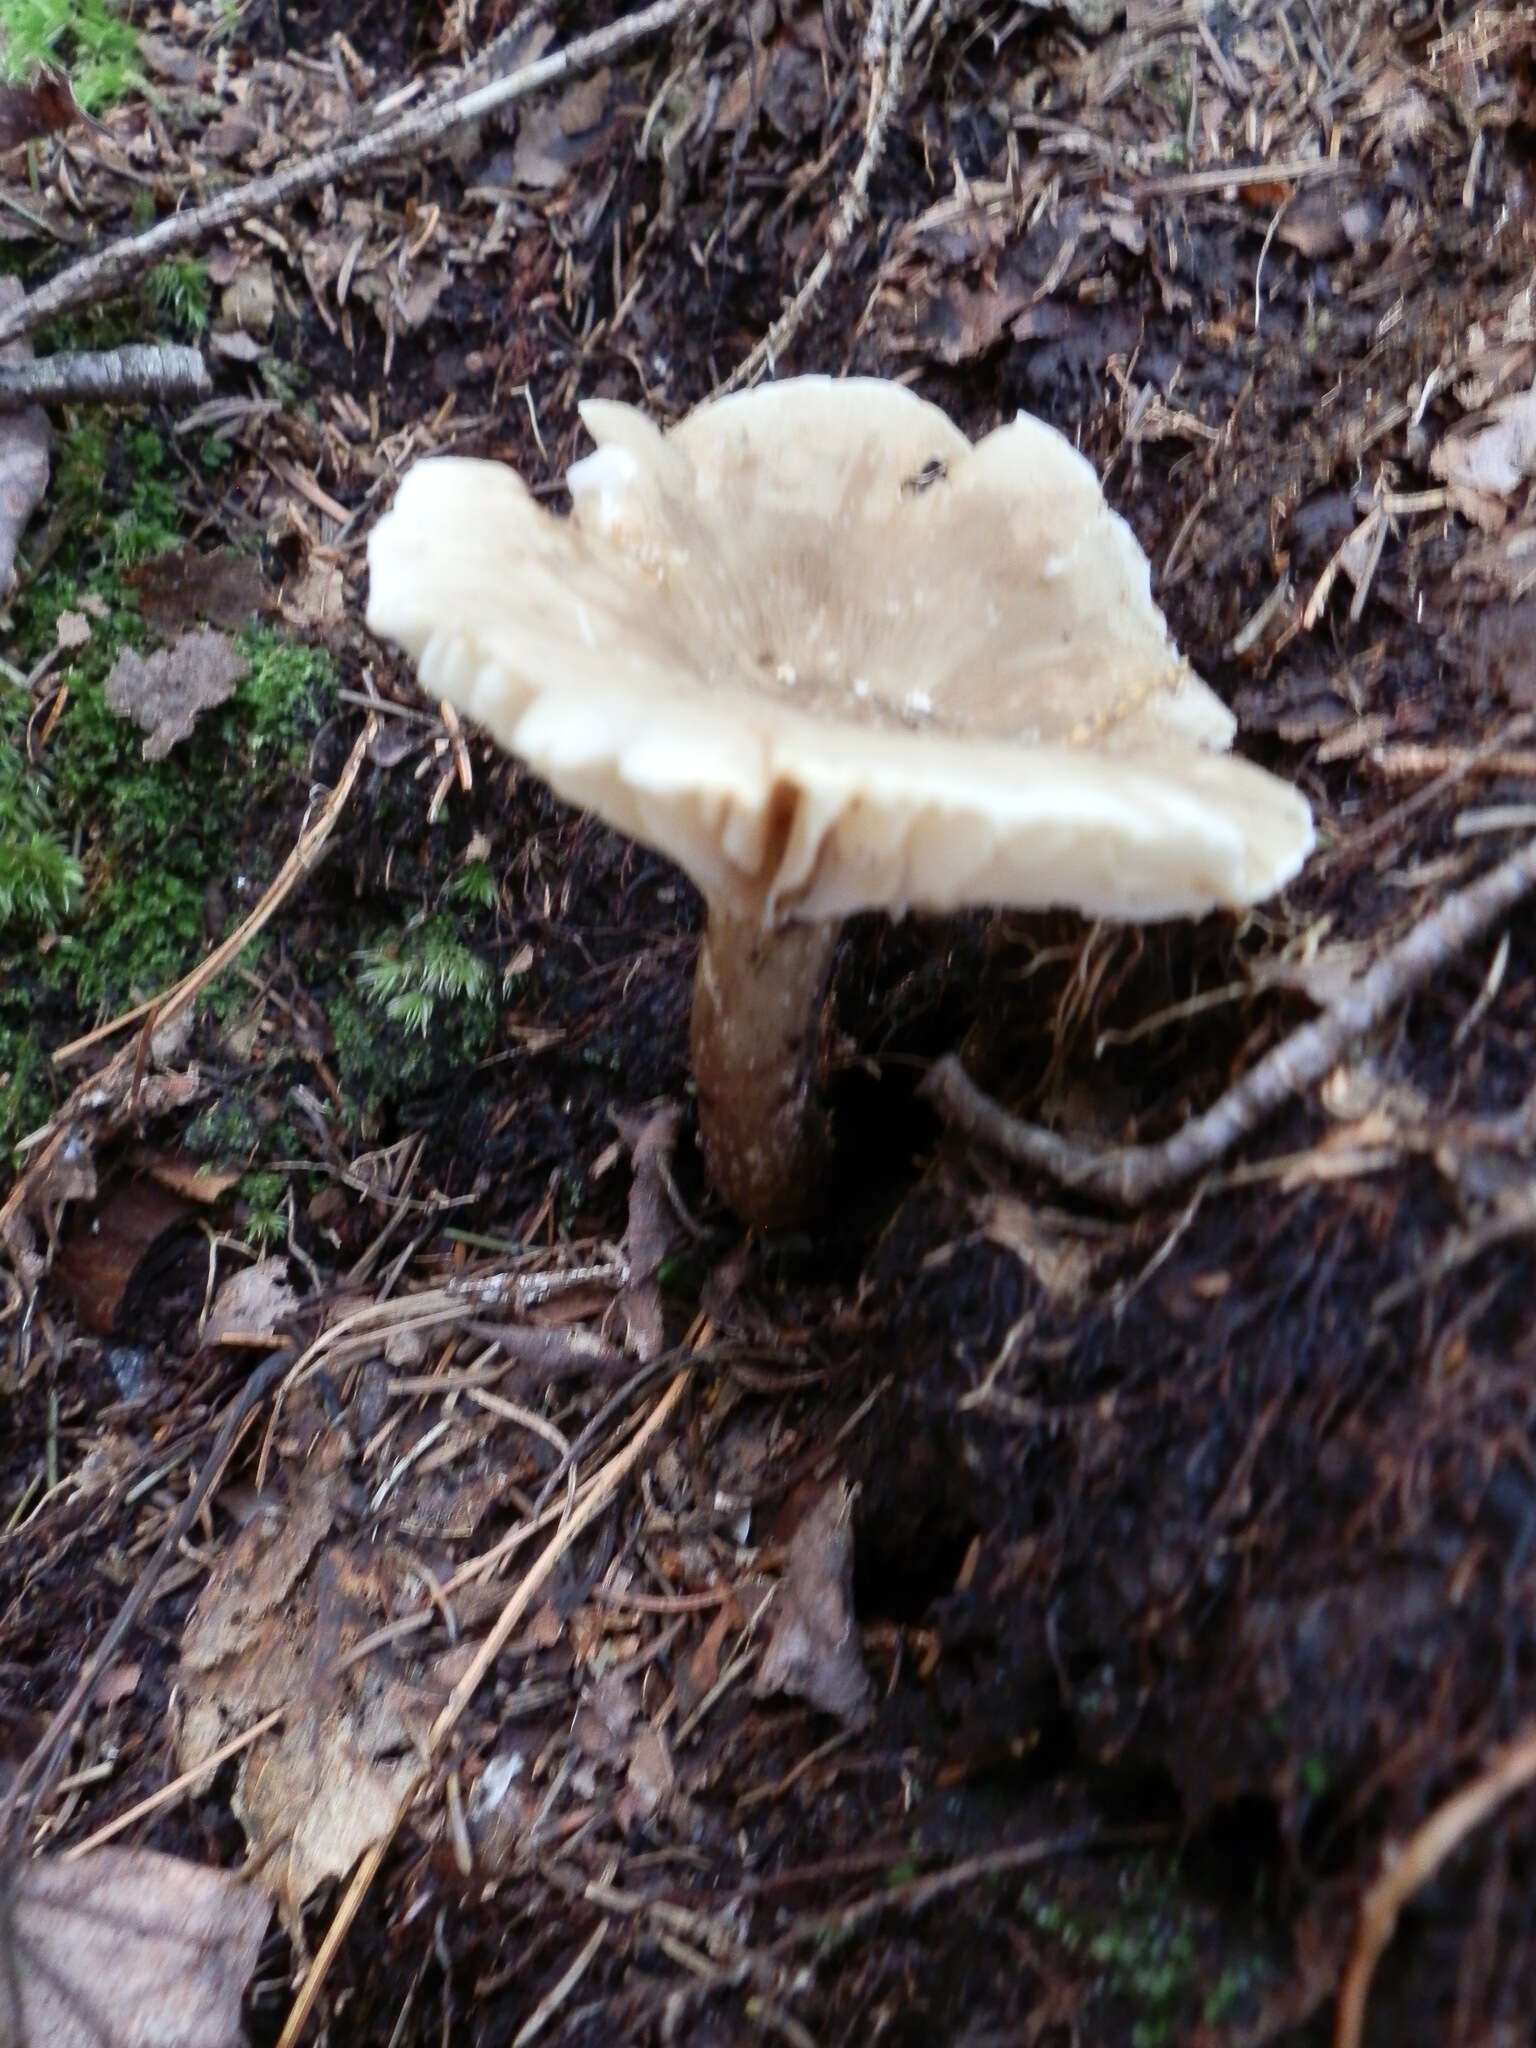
column 1193, row 1550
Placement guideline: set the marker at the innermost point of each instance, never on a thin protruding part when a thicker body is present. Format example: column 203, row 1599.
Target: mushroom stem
column 756, row 1040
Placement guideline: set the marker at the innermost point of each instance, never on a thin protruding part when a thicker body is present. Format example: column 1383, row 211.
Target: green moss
column 105, row 855
column 284, row 381
column 143, row 931
column 228, row 1129
column 178, row 289
column 116, row 496
column 473, row 887
column 418, row 1008
column 426, row 969
column 266, row 1220
column 40, row 880
column 1235, row 1992
column 1146, row 1957
column 26, row 1096
column 289, row 689
column 1315, row 1775
column 86, row 39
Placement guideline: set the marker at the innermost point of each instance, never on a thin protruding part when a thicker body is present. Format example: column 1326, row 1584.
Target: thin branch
column 93, row 277
column 883, row 52
column 918, row 1894
column 118, row 376
column 1132, row 1175
column 1413, row 1865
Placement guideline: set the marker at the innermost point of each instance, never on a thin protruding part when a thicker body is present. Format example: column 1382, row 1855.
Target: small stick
column 589, row 1504
column 1412, row 1867
column 1131, row 1175
column 94, row 276
column 118, row 376
column 883, row 51
column 919, row 1893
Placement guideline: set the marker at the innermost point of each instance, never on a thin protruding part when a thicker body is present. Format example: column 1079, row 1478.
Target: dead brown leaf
column 602, row 1723
column 223, row 588
column 814, row 1649
column 500, row 1813
column 407, row 305
column 272, row 1629
column 1325, row 220
column 1506, row 650
column 169, row 692
column 553, row 141
column 257, row 1298
column 126, row 1948
column 31, row 110
column 193, row 1179
column 704, row 1663
column 794, row 95
column 651, row 1779
column 249, row 301
column 317, row 597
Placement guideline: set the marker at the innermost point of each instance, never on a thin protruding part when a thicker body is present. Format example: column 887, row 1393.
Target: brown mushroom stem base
column 756, row 1045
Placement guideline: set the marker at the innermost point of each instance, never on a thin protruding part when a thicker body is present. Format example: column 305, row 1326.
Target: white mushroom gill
column 828, row 656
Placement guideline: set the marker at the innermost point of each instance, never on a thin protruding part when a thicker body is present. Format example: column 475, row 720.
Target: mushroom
column 828, row 656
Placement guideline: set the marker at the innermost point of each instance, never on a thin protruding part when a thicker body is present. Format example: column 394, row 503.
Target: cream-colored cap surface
column 829, row 656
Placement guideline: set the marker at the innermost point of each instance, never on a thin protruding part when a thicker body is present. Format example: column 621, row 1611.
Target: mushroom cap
column 827, row 655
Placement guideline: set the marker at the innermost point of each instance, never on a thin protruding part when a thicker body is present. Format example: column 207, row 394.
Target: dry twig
column 825, row 1929
column 1132, row 1175
column 883, row 51
column 1412, row 1867
column 117, row 376
column 94, row 276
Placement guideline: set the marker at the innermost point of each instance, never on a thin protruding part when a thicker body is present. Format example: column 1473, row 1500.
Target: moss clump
column 418, row 1008
column 266, row 1220
column 226, row 1130
column 428, row 968
column 1146, row 1960
column 86, row 39
column 40, row 880
column 154, row 835
column 178, row 290
column 473, row 887
column 114, row 854
column 25, row 1096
